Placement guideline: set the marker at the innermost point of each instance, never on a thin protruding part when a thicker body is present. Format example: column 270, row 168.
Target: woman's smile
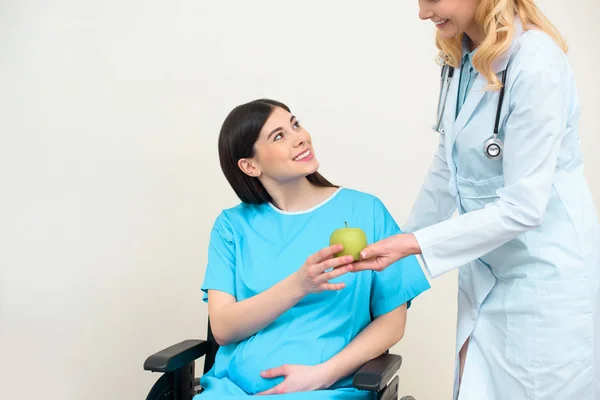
column 306, row 155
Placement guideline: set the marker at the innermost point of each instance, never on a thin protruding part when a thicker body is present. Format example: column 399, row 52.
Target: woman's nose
column 424, row 12
column 300, row 140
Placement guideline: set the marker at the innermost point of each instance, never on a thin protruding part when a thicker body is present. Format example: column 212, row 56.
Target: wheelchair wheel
column 161, row 390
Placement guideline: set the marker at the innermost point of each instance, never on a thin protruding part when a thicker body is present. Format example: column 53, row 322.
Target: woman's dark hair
column 238, row 135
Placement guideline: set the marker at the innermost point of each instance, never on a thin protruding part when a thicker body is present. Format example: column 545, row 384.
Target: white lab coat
column 527, row 238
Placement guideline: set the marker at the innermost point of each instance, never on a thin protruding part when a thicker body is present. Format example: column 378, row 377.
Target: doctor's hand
column 380, row 255
column 298, row 378
column 312, row 278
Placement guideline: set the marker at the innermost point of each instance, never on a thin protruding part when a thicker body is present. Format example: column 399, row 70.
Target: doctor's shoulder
column 537, row 52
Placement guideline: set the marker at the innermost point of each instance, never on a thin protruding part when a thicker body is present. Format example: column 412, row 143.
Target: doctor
column 527, row 237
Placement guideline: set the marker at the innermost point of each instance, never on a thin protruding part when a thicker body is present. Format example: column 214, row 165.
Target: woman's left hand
column 298, row 378
column 380, row 255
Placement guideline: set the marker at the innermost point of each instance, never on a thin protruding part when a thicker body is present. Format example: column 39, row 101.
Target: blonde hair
column 497, row 18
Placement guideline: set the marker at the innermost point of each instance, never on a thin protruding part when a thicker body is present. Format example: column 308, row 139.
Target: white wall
column 109, row 177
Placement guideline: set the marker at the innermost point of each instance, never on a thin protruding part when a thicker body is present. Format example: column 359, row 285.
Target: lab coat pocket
column 474, row 195
column 549, row 322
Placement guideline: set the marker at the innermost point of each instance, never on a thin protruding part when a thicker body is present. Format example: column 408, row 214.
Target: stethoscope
column 492, row 148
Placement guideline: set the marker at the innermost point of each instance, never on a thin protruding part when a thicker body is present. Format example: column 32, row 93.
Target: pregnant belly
column 260, row 353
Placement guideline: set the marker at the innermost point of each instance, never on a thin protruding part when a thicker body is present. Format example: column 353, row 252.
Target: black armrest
column 176, row 356
column 375, row 374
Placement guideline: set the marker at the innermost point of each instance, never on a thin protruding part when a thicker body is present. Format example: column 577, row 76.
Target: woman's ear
column 249, row 167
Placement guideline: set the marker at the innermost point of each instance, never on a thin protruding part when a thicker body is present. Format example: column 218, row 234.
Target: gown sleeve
column 220, row 269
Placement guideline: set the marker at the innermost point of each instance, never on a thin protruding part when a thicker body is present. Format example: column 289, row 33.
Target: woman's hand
column 298, row 378
column 382, row 254
column 312, row 278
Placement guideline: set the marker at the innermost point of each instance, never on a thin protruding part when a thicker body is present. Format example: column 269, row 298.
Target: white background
column 110, row 182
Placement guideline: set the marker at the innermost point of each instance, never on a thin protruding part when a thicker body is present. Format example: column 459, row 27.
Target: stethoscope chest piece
column 493, row 148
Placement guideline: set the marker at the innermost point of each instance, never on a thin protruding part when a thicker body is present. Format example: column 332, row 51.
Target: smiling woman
column 287, row 312
column 260, row 137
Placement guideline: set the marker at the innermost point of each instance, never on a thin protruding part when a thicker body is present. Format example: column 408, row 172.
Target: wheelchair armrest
column 174, row 357
column 376, row 374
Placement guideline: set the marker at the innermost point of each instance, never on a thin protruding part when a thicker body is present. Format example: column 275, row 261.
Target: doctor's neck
column 476, row 35
column 297, row 194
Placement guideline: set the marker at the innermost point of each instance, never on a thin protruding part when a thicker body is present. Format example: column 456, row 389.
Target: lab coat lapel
column 478, row 89
column 473, row 99
column 449, row 115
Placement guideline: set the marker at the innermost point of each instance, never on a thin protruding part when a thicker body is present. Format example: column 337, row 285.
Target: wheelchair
column 178, row 380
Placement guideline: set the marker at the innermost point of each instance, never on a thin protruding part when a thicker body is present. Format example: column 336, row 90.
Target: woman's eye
column 277, row 137
column 296, row 124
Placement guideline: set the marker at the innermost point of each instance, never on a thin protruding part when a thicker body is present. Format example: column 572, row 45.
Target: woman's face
column 451, row 17
column 283, row 150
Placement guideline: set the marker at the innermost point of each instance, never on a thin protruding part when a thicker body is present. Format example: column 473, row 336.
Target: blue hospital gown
column 253, row 247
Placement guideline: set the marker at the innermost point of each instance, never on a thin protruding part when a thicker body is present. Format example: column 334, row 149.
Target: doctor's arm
column 534, row 129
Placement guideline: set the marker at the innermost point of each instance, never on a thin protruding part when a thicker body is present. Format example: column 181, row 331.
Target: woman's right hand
column 312, row 277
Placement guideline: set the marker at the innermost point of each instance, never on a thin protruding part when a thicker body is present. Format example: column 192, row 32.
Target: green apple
column 353, row 240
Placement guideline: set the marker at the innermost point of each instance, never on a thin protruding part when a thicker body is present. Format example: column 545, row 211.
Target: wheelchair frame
column 177, row 364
